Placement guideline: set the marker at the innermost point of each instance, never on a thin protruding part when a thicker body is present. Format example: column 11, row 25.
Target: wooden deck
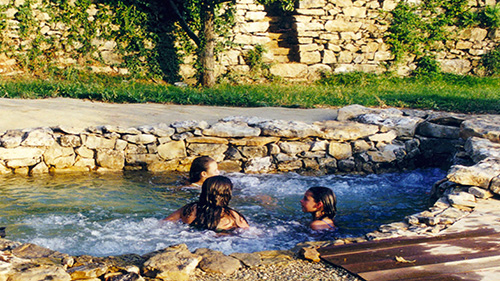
column 470, row 255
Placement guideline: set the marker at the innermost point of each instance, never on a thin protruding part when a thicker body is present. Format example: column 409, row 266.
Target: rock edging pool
column 469, row 144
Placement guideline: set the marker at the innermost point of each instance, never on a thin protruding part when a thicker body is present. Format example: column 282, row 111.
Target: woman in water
column 211, row 211
column 202, row 168
column 322, row 204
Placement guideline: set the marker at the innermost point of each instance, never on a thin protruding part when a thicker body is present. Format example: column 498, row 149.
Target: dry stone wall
column 321, row 35
column 340, row 36
column 360, row 140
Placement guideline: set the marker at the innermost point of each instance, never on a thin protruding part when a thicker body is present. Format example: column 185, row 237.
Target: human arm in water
column 180, row 216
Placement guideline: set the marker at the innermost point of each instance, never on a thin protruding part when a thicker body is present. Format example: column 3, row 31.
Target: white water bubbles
column 104, row 215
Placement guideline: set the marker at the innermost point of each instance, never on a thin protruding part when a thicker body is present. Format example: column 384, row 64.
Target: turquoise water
column 121, row 213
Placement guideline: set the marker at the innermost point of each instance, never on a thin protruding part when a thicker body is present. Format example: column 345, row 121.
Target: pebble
column 291, row 270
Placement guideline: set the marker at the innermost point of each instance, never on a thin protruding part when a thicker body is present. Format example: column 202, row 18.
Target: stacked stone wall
column 321, row 35
column 360, row 140
column 342, row 36
column 372, row 142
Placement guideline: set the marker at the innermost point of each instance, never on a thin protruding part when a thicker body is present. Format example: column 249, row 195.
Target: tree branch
column 184, row 25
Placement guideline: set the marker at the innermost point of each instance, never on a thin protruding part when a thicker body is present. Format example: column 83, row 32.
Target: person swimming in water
column 321, row 203
column 211, row 211
column 202, row 168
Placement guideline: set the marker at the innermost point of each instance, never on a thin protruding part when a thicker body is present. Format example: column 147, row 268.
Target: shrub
column 491, row 61
column 489, row 17
column 427, row 66
column 253, row 57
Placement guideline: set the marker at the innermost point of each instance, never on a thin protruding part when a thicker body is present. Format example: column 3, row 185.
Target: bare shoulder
column 319, row 224
column 239, row 219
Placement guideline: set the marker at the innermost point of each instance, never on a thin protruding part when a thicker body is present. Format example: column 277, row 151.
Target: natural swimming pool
column 113, row 214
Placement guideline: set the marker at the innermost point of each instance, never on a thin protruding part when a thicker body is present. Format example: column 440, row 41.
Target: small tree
column 197, row 18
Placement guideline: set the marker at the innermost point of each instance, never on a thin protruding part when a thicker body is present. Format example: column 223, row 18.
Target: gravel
column 289, row 270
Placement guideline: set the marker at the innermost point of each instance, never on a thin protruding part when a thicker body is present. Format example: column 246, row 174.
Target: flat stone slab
column 487, row 126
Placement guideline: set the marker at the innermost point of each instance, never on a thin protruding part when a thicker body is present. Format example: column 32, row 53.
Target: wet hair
column 200, row 164
column 216, row 192
column 326, row 196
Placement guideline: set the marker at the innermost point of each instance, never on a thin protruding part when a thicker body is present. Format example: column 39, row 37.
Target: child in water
column 202, row 168
column 322, row 204
column 211, row 211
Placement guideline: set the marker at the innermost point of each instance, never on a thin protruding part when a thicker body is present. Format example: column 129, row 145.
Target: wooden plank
column 483, row 274
column 446, row 257
column 461, row 269
column 396, row 242
column 421, row 254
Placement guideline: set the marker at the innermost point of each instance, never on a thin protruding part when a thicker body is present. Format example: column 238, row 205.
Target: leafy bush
column 489, row 17
column 253, row 57
column 491, row 61
column 427, row 66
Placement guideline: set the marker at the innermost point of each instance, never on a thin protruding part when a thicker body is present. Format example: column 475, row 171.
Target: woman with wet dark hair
column 211, row 211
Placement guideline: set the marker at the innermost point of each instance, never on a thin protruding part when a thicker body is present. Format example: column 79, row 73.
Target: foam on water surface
column 115, row 214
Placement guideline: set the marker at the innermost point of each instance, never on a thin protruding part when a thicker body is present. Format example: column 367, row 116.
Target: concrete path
column 28, row 113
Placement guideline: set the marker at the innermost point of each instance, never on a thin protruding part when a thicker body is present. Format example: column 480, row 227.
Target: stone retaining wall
column 360, row 140
column 377, row 141
column 321, row 35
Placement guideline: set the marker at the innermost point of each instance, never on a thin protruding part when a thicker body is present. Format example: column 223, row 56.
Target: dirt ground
column 29, row 113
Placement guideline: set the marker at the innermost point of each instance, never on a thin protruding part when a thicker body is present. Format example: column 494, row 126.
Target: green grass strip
column 447, row 92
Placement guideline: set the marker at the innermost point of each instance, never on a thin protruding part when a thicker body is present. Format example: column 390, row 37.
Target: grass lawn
column 446, row 92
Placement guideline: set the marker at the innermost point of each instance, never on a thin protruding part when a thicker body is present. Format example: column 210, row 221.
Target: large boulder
column 172, row 150
column 216, row 262
column 259, row 165
column 405, row 126
column 288, row 129
column 12, row 138
column 352, row 111
column 484, row 127
column 140, row 138
column 345, row 131
column 433, row 130
column 172, row 263
column 39, row 137
column 231, row 129
column 480, row 174
column 59, row 157
column 188, row 126
column 110, row 159
column 340, row 150
column 479, row 149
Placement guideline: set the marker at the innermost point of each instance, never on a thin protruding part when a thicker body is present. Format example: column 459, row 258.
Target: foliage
column 415, row 29
column 87, row 24
column 354, row 78
column 427, row 66
column 489, row 16
column 285, row 5
column 254, row 57
column 491, row 61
